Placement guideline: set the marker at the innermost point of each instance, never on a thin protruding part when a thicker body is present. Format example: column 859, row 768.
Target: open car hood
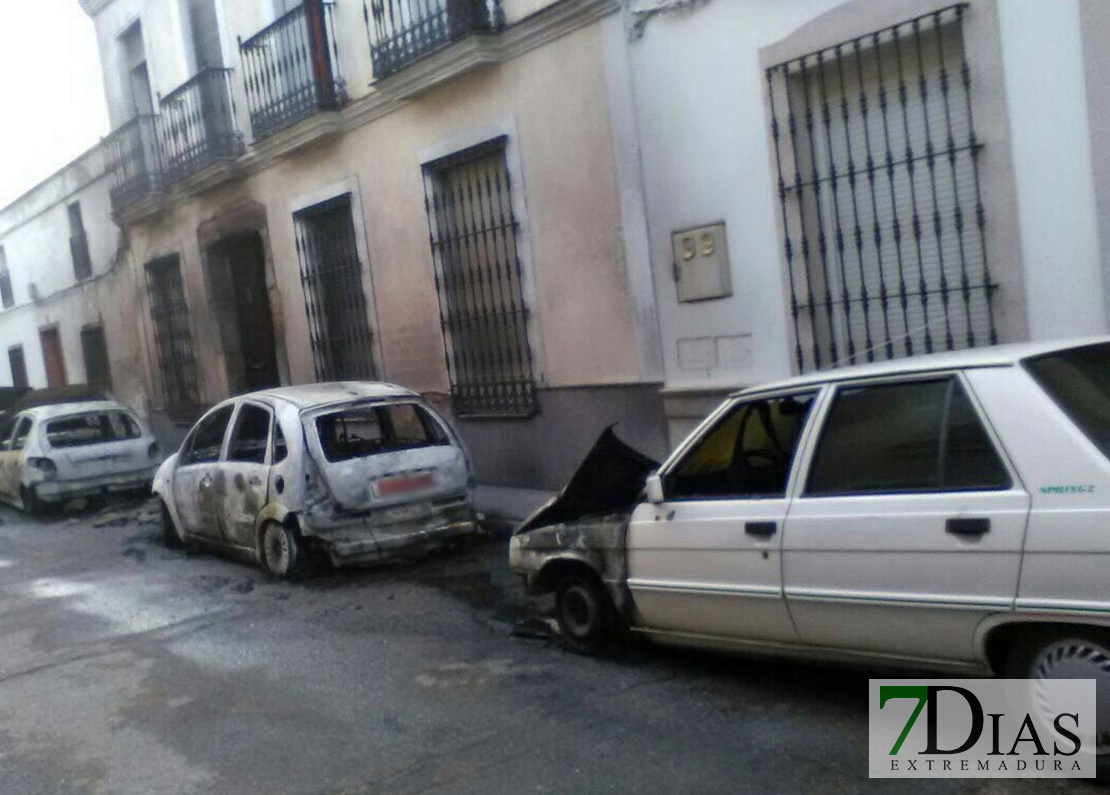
column 609, row 480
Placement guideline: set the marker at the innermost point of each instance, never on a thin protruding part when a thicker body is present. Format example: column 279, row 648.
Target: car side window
column 208, row 438
column 22, row 431
column 281, row 449
column 922, row 436
column 250, row 435
column 747, row 454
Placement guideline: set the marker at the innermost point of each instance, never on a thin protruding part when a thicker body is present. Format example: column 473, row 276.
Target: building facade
column 872, row 179
column 554, row 215
column 63, row 285
column 421, row 192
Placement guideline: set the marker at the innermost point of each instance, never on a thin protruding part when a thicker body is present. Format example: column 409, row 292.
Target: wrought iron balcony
column 401, row 31
column 134, row 162
column 291, row 68
column 197, row 124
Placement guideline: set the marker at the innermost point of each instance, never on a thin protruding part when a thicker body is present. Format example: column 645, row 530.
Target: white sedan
column 950, row 511
column 54, row 453
column 360, row 471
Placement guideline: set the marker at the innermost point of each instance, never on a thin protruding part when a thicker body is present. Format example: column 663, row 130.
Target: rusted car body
column 55, row 453
column 361, row 471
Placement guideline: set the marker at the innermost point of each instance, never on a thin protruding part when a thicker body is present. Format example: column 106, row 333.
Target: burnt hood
column 609, row 480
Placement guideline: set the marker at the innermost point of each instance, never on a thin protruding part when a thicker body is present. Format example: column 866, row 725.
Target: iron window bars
column 879, row 187
column 473, row 235
column 18, row 366
column 331, row 276
column 291, row 68
column 173, row 340
column 197, row 124
column 401, row 31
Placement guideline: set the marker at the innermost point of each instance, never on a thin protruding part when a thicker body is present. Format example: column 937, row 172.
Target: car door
column 194, row 477
column 11, row 458
column 240, row 487
column 705, row 561
column 907, row 529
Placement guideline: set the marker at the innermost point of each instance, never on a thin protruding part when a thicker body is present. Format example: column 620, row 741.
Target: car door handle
column 967, row 527
column 255, row 480
column 763, row 529
column 206, row 481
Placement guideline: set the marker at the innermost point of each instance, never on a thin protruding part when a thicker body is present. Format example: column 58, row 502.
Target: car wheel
column 172, row 536
column 1078, row 656
column 32, row 503
column 280, row 550
column 586, row 615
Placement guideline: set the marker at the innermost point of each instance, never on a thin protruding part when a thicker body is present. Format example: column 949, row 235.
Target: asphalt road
column 129, row 668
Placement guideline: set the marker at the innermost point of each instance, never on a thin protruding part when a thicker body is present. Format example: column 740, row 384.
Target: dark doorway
column 53, row 357
column 237, row 271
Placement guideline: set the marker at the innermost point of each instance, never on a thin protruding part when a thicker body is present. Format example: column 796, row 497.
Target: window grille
column 473, row 235
column 95, row 350
column 335, row 303
column 18, row 366
column 878, row 180
column 78, row 243
column 172, row 337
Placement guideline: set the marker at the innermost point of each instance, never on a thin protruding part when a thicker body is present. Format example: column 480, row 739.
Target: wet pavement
column 126, row 667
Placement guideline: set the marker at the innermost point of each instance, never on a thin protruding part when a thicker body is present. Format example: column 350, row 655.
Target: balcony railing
column 291, row 68
column 134, row 162
column 197, row 124
column 401, row 31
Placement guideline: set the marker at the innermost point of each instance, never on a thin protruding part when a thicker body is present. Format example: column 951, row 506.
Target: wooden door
column 53, row 357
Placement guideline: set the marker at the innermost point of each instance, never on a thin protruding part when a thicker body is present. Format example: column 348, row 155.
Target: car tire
column 172, row 536
column 1071, row 655
column 32, row 504
column 585, row 613
column 280, row 550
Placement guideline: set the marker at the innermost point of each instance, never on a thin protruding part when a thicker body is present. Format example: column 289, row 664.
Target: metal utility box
column 701, row 269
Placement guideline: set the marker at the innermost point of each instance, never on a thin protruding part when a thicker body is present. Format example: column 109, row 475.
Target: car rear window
column 97, row 428
column 361, row 431
column 1079, row 381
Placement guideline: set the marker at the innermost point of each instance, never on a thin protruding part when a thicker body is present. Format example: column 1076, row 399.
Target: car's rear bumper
column 373, row 538
column 54, row 490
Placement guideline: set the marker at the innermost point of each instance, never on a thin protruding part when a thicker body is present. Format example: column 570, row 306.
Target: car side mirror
column 6, row 445
column 655, row 489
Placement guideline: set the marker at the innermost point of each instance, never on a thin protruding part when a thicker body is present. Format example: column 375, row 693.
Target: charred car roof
column 307, row 396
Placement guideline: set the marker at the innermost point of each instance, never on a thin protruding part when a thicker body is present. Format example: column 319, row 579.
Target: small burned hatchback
column 54, row 453
column 359, row 471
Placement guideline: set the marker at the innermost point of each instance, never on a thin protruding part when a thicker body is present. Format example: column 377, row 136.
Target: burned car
column 944, row 511
column 360, row 471
column 54, row 453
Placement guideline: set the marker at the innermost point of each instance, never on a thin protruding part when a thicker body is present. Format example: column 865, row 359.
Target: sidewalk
column 504, row 507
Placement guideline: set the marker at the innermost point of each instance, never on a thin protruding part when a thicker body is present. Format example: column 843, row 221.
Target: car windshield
column 95, row 428
column 1079, row 381
column 360, row 431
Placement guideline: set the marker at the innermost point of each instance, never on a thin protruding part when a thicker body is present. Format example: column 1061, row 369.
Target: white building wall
column 705, row 151
column 700, row 93
column 35, row 232
column 1045, row 77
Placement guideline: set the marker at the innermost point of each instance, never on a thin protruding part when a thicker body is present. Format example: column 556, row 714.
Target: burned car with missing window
column 51, row 454
column 947, row 511
column 362, row 472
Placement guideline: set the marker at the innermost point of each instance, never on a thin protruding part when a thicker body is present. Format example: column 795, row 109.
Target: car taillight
column 154, row 451
column 44, row 465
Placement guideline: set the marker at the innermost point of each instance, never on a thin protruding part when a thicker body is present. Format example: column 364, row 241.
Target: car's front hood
column 610, row 480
